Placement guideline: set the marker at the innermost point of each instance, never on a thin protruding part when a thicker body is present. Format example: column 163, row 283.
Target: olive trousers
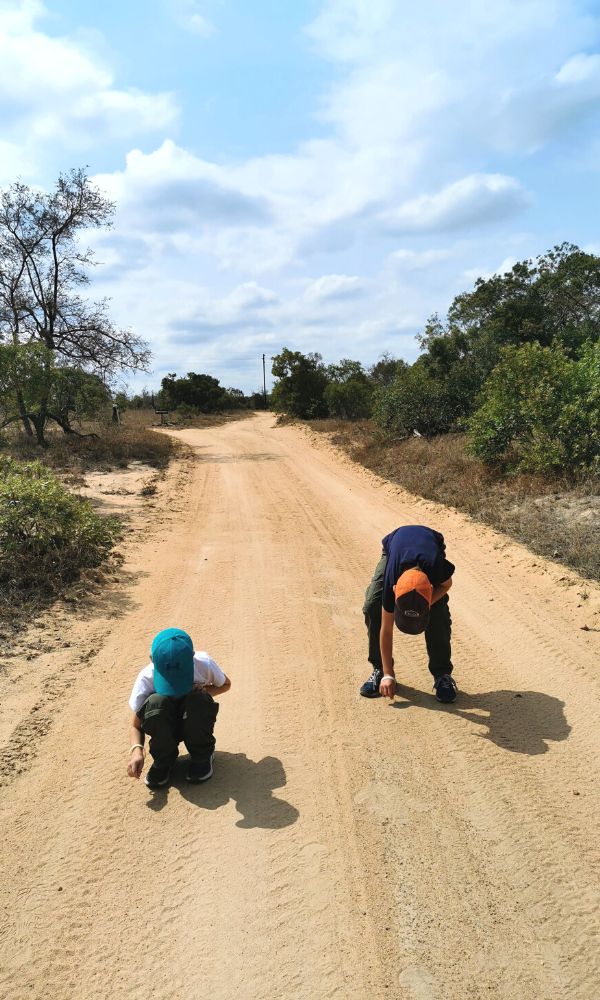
column 169, row 721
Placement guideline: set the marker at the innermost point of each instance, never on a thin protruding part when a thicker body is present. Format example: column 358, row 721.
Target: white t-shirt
column 206, row 671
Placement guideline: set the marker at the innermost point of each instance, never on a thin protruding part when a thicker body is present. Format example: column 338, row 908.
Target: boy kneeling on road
column 410, row 589
column 171, row 701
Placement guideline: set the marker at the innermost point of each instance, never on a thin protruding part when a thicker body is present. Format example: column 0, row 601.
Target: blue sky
column 320, row 175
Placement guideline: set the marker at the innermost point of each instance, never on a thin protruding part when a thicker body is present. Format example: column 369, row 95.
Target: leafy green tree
column 348, row 394
column 236, row 400
column 539, row 410
column 43, row 268
column 413, row 402
column 554, row 300
column 568, row 282
column 31, row 383
column 141, row 400
column 301, row 383
column 345, row 370
column 384, row 371
column 257, row 401
column 201, row 393
column 349, row 400
column 122, row 401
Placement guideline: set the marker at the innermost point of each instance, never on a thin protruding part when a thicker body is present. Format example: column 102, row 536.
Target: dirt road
column 344, row 848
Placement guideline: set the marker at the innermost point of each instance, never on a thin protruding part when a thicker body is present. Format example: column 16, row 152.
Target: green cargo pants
column 169, row 721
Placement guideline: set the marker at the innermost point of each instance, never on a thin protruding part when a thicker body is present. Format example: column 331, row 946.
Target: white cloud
column 426, row 126
column 188, row 14
column 441, row 77
column 473, row 200
column 250, row 295
column 14, row 162
column 364, row 31
column 414, row 260
column 334, row 286
column 349, row 30
column 579, row 69
column 252, row 216
column 53, row 90
column 471, row 274
column 201, row 315
column 527, row 118
column 171, row 191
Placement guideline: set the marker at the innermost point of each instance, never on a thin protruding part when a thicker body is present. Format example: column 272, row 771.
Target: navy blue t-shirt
column 412, row 546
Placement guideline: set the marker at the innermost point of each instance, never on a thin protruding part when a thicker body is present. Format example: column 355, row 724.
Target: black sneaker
column 370, row 689
column 158, row 776
column 445, row 689
column 200, row 770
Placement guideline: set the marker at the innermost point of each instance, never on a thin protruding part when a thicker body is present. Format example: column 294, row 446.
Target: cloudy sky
column 317, row 174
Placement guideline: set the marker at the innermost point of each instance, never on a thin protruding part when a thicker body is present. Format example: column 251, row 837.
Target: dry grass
column 114, row 446
column 557, row 518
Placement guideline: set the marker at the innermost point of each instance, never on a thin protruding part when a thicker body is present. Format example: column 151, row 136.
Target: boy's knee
column 158, row 709
column 199, row 704
column 372, row 606
column 157, row 701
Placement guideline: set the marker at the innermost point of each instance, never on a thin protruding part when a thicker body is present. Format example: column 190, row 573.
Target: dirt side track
column 344, row 848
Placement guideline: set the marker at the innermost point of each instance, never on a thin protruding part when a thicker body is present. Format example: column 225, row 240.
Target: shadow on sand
column 249, row 783
column 519, row 721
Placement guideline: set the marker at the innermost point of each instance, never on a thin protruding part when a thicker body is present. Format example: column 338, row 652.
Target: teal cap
column 173, row 658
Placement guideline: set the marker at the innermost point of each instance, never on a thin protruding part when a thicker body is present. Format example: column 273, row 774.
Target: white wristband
column 389, row 677
column 135, row 746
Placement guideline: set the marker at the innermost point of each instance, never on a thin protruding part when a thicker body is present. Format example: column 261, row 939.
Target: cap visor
column 172, row 689
column 410, row 626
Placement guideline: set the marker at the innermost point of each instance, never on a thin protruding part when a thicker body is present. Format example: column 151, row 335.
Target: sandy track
column 344, row 848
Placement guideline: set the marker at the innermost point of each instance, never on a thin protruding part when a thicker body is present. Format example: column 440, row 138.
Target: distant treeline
column 192, row 394
column 515, row 364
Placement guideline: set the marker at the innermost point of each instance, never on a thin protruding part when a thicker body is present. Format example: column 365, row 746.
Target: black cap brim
column 411, row 613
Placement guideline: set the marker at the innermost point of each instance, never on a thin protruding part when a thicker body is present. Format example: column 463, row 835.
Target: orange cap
column 413, row 592
column 414, row 579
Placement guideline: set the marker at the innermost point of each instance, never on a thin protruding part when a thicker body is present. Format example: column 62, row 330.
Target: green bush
column 414, row 402
column 47, row 535
column 300, row 387
column 539, row 411
column 349, row 400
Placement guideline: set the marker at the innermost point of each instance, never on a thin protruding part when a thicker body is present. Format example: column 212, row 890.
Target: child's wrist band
column 135, row 747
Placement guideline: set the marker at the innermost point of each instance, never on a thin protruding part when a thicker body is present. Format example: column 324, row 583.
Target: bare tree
column 43, row 270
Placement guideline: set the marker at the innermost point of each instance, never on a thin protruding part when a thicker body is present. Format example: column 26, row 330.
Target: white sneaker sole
column 157, row 784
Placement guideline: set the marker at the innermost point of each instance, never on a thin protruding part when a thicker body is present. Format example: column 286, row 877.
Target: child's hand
column 136, row 764
column 387, row 688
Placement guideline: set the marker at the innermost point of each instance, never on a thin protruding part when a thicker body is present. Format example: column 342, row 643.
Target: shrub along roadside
column 47, row 535
column 540, row 411
column 555, row 516
column 114, row 446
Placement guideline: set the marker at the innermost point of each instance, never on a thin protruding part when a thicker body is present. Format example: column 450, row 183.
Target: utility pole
column 264, row 382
